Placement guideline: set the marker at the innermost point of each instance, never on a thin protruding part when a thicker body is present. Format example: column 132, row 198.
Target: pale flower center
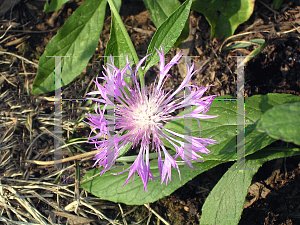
column 143, row 116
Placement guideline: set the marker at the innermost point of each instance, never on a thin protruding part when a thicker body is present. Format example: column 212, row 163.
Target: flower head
column 138, row 118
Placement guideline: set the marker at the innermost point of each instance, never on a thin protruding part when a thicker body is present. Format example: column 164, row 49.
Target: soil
column 274, row 195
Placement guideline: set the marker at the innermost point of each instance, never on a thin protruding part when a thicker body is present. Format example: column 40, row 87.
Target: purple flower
column 140, row 114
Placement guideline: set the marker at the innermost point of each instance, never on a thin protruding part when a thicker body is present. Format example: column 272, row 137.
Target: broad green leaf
column 110, row 187
column 167, row 34
column 117, row 44
column 282, row 122
column 224, row 205
column 54, row 5
column 77, row 38
column 184, row 34
column 224, row 16
column 160, row 10
column 223, row 128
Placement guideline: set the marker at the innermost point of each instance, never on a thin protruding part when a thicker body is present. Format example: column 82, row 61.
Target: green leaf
column 244, row 44
column 160, row 10
column 223, row 128
column 167, row 34
column 54, row 5
column 110, row 187
column 282, row 122
column 118, row 4
column 123, row 35
column 77, row 38
column 117, row 45
column 277, row 4
column 184, row 34
column 124, row 150
column 224, row 205
column 255, row 52
column 224, row 16
column 258, row 41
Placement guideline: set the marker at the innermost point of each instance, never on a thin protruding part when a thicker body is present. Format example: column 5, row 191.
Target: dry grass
column 32, row 190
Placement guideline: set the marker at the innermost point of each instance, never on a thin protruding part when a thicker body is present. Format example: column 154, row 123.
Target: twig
column 156, row 214
column 20, row 57
column 101, row 215
column 10, row 26
column 122, row 214
column 253, row 32
column 289, row 31
column 264, row 4
column 9, row 81
column 130, row 211
column 149, row 218
column 140, row 30
column 46, row 163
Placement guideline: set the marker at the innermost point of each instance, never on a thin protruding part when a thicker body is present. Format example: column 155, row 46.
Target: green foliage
column 79, row 35
column 244, row 44
column 222, row 129
column 224, row 16
column 117, row 44
column 120, row 33
column 225, row 203
column 160, row 10
column 267, row 117
column 277, row 4
column 110, row 187
column 282, row 122
column 255, row 52
column 261, row 43
column 54, row 5
column 77, row 38
column 167, row 34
